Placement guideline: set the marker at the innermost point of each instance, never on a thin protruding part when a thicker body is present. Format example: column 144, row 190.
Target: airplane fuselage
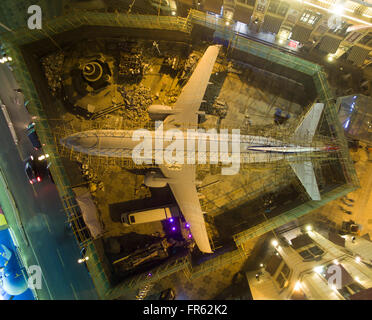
column 122, row 143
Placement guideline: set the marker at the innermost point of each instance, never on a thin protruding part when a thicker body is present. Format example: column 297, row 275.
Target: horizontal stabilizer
column 305, row 172
column 306, row 130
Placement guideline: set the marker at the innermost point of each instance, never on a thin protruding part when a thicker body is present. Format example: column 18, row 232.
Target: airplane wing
column 305, row 172
column 188, row 102
column 182, row 184
column 306, row 129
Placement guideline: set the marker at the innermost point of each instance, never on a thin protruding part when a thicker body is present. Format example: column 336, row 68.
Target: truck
column 146, row 216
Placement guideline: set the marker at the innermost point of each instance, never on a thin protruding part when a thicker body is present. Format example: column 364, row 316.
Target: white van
column 146, row 216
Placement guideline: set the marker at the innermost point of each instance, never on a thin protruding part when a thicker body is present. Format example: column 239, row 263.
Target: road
column 48, row 241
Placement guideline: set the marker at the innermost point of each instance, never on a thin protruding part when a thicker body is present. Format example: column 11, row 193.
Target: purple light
column 174, row 229
column 190, row 235
column 187, row 225
column 150, row 274
column 171, row 220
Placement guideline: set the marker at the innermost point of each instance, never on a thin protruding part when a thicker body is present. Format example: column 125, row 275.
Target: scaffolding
column 234, row 198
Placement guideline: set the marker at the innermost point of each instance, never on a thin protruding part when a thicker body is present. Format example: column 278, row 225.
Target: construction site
column 80, row 79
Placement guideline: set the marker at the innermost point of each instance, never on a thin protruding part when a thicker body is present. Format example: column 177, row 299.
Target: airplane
column 184, row 115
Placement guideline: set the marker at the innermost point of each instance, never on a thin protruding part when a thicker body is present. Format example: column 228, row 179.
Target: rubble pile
column 189, row 66
column 136, row 103
column 131, row 66
column 220, row 108
column 52, row 66
column 92, row 179
column 173, row 62
column 172, row 96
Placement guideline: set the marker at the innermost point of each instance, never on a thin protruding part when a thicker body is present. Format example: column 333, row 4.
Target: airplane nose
column 78, row 142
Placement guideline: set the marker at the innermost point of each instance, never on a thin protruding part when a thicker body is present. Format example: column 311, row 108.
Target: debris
column 131, row 65
column 52, row 66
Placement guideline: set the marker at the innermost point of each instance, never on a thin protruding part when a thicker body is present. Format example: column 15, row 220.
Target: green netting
column 76, row 20
column 290, row 215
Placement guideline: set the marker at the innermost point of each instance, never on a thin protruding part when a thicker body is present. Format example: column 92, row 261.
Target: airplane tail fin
column 305, row 173
column 305, row 133
column 306, row 129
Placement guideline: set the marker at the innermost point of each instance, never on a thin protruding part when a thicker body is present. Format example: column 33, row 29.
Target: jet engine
column 155, row 180
column 159, row 112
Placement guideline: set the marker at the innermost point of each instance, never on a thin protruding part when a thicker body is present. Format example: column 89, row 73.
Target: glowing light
column 343, row 15
column 227, row 23
column 187, row 225
column 38, row 179
column 190, row 235
column 274, row 243
column 150, row 274
column 334, row 288
column 338, row 9
column 336, row 262
column 261, row 265
column 330, row 58
column 171, row 219
column 357, row 279
column 42, row 157
column 358, row 259
column 297, row 286
column 174, row 229
column 281, row 41
column 318, row 269
column 347, row 122
column 309, row 228
column 173, row 13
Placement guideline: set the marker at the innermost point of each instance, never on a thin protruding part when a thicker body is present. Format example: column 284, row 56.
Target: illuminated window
column 310, row 252
column 310, row 17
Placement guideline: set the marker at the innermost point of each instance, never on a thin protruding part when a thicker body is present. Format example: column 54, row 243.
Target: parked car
column 32, row 135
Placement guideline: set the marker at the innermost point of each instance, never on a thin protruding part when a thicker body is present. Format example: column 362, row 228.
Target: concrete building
column 305, row 264
column 331, row 29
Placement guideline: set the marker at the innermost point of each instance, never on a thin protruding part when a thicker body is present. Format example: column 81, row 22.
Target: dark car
column 35, row 170
column 32, row 135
